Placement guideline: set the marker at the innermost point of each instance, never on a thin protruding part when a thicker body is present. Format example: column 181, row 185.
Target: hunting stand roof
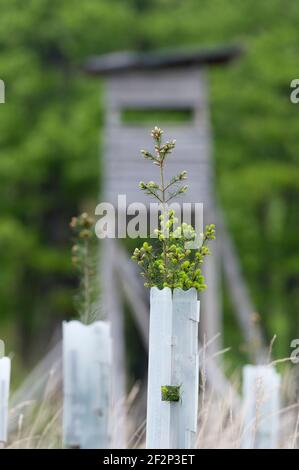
column 126, row 61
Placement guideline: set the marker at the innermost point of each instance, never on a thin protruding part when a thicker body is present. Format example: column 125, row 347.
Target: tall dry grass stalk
column 37, row 423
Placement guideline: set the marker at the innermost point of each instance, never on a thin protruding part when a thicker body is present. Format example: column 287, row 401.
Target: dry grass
column 37, row 424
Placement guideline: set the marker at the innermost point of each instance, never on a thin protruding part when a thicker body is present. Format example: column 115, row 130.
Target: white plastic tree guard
column 261, row 396
column 5, row 366
column 87, row 384
column 173, row 361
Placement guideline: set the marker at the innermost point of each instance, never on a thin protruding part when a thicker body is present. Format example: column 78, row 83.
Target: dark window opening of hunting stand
column 148, row 116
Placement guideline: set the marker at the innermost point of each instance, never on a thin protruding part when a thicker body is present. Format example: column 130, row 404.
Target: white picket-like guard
column 261, row 398
column 173, row 360
column 5, row 366
column 87, row 384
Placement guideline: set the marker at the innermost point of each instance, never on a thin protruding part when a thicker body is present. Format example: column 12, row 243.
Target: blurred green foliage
column 49, row 144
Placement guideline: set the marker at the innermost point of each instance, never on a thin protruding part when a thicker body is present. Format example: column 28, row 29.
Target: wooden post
column 240, row 296
column 173, row 365
column 87, row 384
column 5, row 366
column 261, row 407
column 112, row 307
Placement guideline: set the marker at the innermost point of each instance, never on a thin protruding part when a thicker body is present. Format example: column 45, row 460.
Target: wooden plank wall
column 124, row 167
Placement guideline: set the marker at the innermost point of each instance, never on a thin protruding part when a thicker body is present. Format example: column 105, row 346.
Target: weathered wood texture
column 261, row 397
column 173, row 360
column 160, row 89
column 87, row 385
column 134, row 291
column 211, row 326
column 124, row 167
column 112, row 309
column 123, row 62
column 240, row 295
column 5, row 366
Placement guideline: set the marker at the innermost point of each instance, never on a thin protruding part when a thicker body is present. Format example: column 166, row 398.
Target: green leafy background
column 49, row 140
